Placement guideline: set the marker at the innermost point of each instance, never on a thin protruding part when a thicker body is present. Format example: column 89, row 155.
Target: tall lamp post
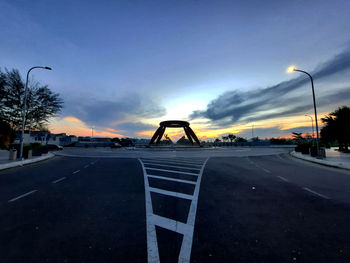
column 312, row 123
column 25, row 108
column 292, row 69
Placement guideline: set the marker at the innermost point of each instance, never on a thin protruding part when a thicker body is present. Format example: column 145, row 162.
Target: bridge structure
column 174, row 124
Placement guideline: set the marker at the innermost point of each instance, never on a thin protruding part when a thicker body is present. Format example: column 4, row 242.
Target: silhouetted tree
column 7, row 135
column 183, row 141
column 42, row 103
column 231, row 137
column 240, row 139
column 337, row 128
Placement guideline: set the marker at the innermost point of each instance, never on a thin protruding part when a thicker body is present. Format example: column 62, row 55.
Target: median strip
column 19, row 197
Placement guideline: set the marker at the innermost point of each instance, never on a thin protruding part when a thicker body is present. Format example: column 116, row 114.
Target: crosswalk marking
column 153, row 220
column 170, row 171
column 171, row 193
column 172, row 166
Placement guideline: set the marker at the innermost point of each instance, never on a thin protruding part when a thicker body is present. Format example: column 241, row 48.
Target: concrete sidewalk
column 5, row 163
column 333, row 158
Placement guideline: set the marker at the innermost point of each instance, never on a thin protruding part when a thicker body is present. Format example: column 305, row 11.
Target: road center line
column 19, row 197
column 315, row 193
column 77, row 171
column 58, row 180
column 282, row 178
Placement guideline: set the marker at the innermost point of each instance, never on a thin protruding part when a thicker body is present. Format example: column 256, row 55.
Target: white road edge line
column 172, row 166
column 19, row 197
column 171, row 193
column 77, row 171
column 170, row 171
column 315, row 193
column 86, row 166
column 282, row 178
column 58, row 180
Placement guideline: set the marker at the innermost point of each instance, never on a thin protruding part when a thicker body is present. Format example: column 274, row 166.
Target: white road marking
column 152, row 243
column 173, row 161
column 58, row 180
column 77, row 171
column 153, row 220
column 315, row 193
column 172, row 166
column 18, row 197
column 170, row 193
column 282, row 178
column 258, row 166
column 86, row 166
column 170, row 171
column 171, row 179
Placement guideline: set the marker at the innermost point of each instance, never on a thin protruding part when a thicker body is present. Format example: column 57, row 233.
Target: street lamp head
column 291, row 69
column 48, row 68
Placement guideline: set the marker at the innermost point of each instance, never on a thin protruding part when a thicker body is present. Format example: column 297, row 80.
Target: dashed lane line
column 86, row 166
column 258, row 166
column 283, row 179
column 77, row 171
column 315, row 193
column 171, row 193
column 58, row 180
column 21, row 196
column 171, row 166
column 170, row 171
column 171, row 179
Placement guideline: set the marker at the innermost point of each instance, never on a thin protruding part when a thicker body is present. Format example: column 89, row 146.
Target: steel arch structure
column 174, row 124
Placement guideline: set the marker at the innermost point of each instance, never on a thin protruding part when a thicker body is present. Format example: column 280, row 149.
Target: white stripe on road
column 258, row 166
column 86, row 166
column 282, row 178
column 18, row 197
column 153, row 220
column 172, row 166
column 173, row 161
column 170, row 171
column 170, row 193
column 171, row 179
column 59, row 180
column 315, row 193
column 77, row 171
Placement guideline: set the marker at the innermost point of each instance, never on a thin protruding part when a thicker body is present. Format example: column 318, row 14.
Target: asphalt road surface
column 270, row 208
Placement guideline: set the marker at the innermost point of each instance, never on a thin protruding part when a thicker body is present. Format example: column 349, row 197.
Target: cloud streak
column 272, row 102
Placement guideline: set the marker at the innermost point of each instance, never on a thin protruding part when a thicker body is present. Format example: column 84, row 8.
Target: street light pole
column 312, row 123
column 25, row 108
column 291, row 69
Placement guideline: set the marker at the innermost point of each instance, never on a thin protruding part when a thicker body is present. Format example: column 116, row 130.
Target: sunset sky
column 121, row 67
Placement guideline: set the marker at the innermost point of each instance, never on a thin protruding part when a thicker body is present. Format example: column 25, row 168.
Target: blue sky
column 126, row 65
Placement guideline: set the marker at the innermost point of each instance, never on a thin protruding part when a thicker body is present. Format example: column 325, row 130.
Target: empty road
column 179, row 208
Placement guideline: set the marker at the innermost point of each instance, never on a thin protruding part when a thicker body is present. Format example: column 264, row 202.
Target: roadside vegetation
column 42, row 105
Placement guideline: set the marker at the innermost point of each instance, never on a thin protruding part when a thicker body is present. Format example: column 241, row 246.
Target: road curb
column 25, row 162
column 322, row 162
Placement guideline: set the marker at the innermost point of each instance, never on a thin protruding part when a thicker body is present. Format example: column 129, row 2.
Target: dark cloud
column 103, row 113
column 132, row 128
column 255, row 105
